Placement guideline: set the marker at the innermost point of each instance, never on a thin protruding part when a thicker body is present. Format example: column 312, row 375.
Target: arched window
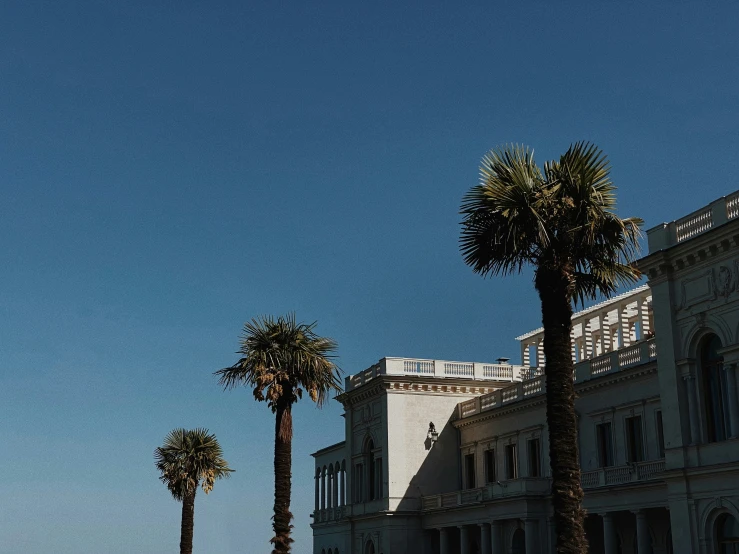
column 369, row 548
column 715, row 389
column 727, row 535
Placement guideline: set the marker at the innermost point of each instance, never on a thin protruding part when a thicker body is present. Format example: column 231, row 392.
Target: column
column 589, row 345
column 693, row 409
column 444, row 541
column 623, row 327
column 644, row 317
column 643, row 540
column 573, row 345
column 323, row 489
column 605, row 333
column 335, row 487
column 610, row 540
column 540, row 361
column 329, row 489
column 484, row 538
column 464, row 540
column 530, row 527
column 496, row 537
column 318, row 490
column 342, row 481
column 525, row 360
column 730, row 370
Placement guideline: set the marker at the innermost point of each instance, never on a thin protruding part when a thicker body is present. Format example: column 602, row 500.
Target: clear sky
column 169, row 170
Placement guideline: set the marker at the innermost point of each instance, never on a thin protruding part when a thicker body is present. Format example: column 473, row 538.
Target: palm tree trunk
column 556, row 306
column 188, row 522
column 283, row 469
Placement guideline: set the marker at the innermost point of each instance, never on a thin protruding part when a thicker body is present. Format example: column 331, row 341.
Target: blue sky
column 169, row 170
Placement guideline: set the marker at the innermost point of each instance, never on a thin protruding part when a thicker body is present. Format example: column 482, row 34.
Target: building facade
column 447, row 457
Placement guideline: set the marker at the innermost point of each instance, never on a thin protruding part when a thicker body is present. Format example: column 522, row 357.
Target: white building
column 451, row 457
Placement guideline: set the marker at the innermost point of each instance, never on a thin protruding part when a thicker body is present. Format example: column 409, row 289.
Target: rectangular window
column 469, row 471
column 511, row 462
column 634, row 441
column 605, row 444
column 490, row 466
column 534, row 458
column 660, row 434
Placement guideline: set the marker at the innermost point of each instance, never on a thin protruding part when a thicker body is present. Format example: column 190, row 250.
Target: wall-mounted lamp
column 432, row 434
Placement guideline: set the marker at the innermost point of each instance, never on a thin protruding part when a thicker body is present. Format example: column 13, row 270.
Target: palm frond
column 281, row 358
column 190, row 457
column 501, row 226
column 564, row 216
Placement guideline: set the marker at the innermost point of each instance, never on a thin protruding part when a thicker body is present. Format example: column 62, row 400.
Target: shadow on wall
column 439, row 471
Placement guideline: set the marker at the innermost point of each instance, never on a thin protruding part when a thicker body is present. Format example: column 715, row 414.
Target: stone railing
column 501, row 397
column 618, row 475
column 623, row 358
column 713, row 215
column 532, row 486
column 330, row 514
column 610, row 362
column 439, row 368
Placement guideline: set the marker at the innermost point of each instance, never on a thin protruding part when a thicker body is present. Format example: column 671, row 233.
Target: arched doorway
column 727, row 534
column 518, row 544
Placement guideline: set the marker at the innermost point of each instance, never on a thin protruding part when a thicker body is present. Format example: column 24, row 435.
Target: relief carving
column 723, row 281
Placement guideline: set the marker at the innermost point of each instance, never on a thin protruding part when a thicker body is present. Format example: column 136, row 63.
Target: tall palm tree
column 188, row 458
column 561, row 221
column 280, row 359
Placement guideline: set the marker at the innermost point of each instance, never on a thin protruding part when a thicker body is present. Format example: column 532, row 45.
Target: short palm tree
column 188, row 458
column 562, row 222
column 280, row 359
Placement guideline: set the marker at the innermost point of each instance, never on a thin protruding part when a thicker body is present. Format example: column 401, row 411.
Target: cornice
column 394, row 384
column 693, row 253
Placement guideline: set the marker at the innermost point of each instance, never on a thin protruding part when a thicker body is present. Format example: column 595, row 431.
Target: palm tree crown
column 563, row 216
column 280, row 359
column 189, row 457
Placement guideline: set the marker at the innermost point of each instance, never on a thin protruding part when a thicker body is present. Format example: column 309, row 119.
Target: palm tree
column 562, row 222
column 280, row 359
column 189, row 458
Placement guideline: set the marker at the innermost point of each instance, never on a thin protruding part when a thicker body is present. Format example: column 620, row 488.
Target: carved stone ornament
column 723, row 281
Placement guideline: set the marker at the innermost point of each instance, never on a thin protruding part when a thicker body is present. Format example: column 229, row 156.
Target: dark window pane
column 605, row 445
column 634, row 442
column 469, row 464
column 511, row 462
column 534, row 458
column 490, row 466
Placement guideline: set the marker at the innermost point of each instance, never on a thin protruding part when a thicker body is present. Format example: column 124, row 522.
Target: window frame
column 489, row 456
column 534, row 463
column 630, row 457
column 511, row 470
column 611, row 444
